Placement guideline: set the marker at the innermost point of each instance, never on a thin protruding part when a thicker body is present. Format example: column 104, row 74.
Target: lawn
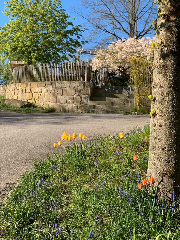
column 95, row 190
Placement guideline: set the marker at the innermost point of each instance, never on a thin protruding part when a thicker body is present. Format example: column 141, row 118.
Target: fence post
column 86, row 72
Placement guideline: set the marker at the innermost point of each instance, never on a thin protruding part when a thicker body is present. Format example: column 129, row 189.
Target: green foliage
column 25, row 110
column 91, row 192
column 140, row 74
column 5, row 74
column 38, row 32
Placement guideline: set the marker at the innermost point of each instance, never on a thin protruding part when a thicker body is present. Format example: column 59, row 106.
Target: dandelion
column 152, row 180
column 59, row 143
column 135, row 157
column 144, row 182
column 80, row 135
column 74, row 135
column 151, row 97
column 55, row 145
column 121, row 135
column 139, row 186
column 83, row 137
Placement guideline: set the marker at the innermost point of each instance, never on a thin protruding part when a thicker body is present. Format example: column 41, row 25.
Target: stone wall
column 68, row 96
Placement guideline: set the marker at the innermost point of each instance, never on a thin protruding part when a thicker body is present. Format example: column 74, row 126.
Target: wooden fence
column 68, row 71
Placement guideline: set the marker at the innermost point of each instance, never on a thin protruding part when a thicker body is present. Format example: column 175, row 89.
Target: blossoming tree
column 116, row 55
column 128, row 57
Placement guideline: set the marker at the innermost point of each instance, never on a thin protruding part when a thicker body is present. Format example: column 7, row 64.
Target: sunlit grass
column 92, row 191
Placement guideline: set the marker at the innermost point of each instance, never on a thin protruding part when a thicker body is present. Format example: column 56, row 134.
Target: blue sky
column 66, row 4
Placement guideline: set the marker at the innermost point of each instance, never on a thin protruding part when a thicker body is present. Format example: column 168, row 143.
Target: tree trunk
column 164, row 151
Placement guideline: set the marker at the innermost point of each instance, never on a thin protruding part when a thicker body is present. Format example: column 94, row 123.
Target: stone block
column 49, row 87
column 19, row 97
column 41, row 84
column 23, row 97
column 53, row 98
column 41, row 97
column 46, row 97
column 28, row 96
column 9, row 95
column 68, row 92
column 57, row 106
column 84, row 99
column 28, row 89
column 17, row 103
column 36, row 90
column 59, row 92
column 36, row 96
column 33, row 84
column 24, row 85
column 77, row 100
column 59, row 85
column 75, row 84
column 68, row 108
column 61, row 99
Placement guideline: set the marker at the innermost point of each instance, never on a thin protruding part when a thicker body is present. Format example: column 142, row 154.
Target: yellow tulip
column 83, row 137
column 80, row 135
column 62, row 137
column 59, row 143
column 65, row 133
column 66, row 137
column 74, row 135
column 55, row 145
column 70, row 138
column 121, row 135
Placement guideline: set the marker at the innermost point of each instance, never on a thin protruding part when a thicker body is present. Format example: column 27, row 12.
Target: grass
column 91, row 192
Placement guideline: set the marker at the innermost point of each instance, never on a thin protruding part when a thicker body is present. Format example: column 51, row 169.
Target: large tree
column 110, row 19
column 38, row 31
column 164, row 152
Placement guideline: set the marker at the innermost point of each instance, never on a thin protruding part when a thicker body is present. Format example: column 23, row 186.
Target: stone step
column 98, row 98
column 105, row 107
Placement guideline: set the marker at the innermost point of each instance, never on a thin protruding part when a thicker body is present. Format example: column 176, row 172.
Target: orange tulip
column 144, row 182
column 135, row 157
column 139, row 186
column 152, row 180
column 80, row 135
column 70, row 138
column 59, row 143
column 55, row 145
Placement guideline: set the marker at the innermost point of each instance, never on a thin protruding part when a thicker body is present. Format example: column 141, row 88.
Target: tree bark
column 164, row 151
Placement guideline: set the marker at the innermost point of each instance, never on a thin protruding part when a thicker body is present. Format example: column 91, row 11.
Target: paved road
column 26, row 137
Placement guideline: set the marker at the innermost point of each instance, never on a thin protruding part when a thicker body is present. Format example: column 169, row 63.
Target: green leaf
column 36, row 29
